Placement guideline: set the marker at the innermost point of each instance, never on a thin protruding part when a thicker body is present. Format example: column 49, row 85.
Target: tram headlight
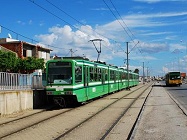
column 49, row 92
column 68, row 93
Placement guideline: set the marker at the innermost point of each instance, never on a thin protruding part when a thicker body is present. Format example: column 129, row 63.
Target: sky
column 152, row 32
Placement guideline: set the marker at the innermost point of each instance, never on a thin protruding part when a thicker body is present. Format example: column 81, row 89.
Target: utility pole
column 186, row 59
column 71, row 51
column 128, row 52
column 143, row 74
column 128, row 88
column 147, row 74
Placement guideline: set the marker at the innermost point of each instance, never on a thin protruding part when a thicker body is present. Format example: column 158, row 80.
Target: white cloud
column 30, row 22
column 25, row 23
column 48, row 38
column 64, row 39
column 148, row 20
column 177, row 48
column 101, row 9
column 153, row 47
column 21, row 22
column 134, row 22
column 156, row 33
column 155, row 1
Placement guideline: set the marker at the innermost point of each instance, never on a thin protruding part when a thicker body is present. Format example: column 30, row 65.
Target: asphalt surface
column 179, row 93
column 162, row 118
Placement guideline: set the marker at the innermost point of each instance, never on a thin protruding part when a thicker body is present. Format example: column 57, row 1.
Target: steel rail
column 89, row 118
column 124, row 112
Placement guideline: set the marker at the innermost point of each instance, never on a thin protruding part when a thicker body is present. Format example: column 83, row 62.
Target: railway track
column 17, row 117
column 75, row 133
column 22, row 123
column 62, row 123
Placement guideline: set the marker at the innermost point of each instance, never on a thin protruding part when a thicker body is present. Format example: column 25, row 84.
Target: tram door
column 86, row 85
column 103, row 78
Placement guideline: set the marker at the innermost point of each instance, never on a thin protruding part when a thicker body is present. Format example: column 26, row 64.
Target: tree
column 18, row 66
column 39, row 63
column 136, row 71
column 10, row 63
column 29, row 64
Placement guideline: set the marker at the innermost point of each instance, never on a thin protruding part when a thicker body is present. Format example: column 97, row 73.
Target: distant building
column 183, row 75
column 25, row 49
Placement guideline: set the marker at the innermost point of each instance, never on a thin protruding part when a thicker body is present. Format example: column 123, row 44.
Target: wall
column 21, row 100
column 15, row 101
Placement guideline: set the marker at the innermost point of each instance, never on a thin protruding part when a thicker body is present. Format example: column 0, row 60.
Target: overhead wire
column 94, row 31
column 123, row 26
column 126, row 27
column 66, row 21
column 52, row 14
column 118, row 20
column 76, row 19
column 122, row 19
column 64, row 12
column 31, row 39
column 61, row 20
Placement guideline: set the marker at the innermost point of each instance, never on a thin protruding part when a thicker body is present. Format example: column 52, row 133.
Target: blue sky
column 158, row 26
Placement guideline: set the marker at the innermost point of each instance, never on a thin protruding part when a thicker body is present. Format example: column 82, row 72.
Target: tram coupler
column 60, row 101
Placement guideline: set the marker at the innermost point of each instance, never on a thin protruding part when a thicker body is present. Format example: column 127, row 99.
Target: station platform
column 161, row 119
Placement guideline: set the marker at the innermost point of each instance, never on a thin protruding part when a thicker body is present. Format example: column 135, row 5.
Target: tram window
column 95, row 74
column 106, row 75
column 98, row 74
column 111, row 75
column 121, row 76
column 103, row 76
column 115, row 76
column 91, row 74
column 118, row 76
column 130, row 76
column 78, row 74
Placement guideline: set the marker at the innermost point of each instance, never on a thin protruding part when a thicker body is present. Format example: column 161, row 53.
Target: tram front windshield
column 59, row 73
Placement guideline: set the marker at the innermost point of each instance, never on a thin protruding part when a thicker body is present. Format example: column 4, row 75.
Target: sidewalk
column 161, row 119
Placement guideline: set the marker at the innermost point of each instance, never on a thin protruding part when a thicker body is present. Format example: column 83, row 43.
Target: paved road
column 179, row 93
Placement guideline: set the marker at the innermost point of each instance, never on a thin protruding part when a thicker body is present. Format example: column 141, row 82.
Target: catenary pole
column 143, row 74
column 128, row 88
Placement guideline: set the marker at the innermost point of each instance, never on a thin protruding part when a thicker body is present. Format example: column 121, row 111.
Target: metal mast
column 128, row 88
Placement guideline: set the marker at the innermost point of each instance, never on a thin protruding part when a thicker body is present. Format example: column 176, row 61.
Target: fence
column 38, row 81
column 16, row 81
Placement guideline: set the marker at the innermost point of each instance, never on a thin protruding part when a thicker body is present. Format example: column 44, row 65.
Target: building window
column 24, row 53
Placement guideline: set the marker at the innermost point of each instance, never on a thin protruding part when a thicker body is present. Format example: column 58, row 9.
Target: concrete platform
column 162, row 119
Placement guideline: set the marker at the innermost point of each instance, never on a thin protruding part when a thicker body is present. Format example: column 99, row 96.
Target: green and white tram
column 76, row 80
